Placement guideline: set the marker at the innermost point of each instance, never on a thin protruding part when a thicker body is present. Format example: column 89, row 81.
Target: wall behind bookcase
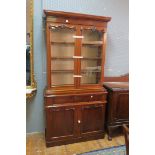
column 117, row 55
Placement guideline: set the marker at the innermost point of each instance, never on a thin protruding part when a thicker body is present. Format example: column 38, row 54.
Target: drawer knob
column 66, row 20
column 79, row 121
column 91, row 96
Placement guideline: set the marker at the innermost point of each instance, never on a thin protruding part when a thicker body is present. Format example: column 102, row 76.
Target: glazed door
column 92, row 119
column 60, row 123
column 91, row 51
column 76, row 55
column 62, row 55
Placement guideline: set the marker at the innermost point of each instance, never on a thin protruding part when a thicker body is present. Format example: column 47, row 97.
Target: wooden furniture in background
column 122, row 78
column 117, row 112
column 75, row 100
column 126, row 135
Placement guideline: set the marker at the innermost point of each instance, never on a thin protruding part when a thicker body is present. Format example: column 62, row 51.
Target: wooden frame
column 31, row 89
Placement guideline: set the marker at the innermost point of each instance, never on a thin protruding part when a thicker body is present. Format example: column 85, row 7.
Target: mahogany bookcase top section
column 76, row 15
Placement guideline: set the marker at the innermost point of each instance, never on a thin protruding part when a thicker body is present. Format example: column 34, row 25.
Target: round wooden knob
column 79, row 121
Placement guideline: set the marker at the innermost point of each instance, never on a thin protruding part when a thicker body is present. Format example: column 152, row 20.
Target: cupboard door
column 60, row 122
column 122, row 107
column 92, row 119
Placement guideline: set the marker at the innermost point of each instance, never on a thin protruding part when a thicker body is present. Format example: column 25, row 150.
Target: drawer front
column 90, row 97
column 74, row 98
column 59, row 100
column 63, row 99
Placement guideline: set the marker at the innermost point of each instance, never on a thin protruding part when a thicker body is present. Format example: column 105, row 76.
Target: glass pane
column 91, row 71
column 62, row 78
column 62, row 34
column 64, row 65
column 91, row 52
column 62, row 52
column 91, row 35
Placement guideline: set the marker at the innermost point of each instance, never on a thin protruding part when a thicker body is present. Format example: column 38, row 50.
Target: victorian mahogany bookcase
column 75, row 100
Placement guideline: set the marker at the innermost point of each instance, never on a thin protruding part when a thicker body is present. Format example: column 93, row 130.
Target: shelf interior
column 63, row 49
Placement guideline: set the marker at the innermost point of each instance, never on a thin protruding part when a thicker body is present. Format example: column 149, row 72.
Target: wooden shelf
column 66, row 58
column 92, row 58
column 94, row 71
column 93, row 43
column 62, row 42
column 72, row 71
column 61, row 58
column 62, row 71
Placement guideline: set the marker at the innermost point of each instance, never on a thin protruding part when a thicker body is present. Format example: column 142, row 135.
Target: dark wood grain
column 48, row 56
column 73, row 118
column 62, row 120
column 95, row 122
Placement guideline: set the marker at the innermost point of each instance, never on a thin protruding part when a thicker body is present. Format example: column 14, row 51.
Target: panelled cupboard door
column 60, row 122
column 121, row 111
column 92, row 119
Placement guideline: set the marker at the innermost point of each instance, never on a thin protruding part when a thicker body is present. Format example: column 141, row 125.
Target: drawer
column 75, row 98
column 90, row 97
column 63, row 99
column 60, row 100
